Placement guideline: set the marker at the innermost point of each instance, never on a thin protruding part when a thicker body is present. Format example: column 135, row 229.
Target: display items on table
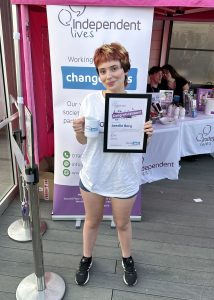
column 176, row 100
column 193, row 108
column 174, row 113
column 156, row 109
column 166, row 98
column 167, row 121
column 209, row 107
column 187, row 97
column 202, row 96
column 166, row 110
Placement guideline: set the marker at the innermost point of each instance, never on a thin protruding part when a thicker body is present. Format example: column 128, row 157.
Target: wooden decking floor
column 173, row 245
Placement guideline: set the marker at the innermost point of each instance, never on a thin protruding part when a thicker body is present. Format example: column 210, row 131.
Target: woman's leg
column 94, row 206
column 121, row 209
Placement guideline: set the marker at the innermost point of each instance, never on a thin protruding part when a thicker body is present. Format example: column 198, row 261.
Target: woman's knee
column 92, row 224
column 122, row 225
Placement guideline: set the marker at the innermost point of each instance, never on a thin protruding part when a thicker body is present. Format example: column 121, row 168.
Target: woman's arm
column 78, row 126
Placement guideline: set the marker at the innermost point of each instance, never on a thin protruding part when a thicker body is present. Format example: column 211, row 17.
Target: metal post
column 35, row 217
column 39, row 285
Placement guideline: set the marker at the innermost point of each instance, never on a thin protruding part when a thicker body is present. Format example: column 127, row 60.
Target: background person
column 114, row 175
column 155, row 78
column 174, row 81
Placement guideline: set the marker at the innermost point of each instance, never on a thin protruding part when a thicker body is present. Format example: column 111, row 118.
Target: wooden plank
column 167, row 248
column 174, row 275
column 208, row 293
column 174, row 261
column 175, row 239
column 147, row 286
column 7, row 296
column 10, row 257
column 173, row 218
column 152, row 227
column 9, row 283
column 75, row 292
column 120, row 295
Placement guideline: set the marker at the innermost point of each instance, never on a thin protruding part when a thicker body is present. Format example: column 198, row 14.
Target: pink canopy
column 148, row 3
column 36, row 79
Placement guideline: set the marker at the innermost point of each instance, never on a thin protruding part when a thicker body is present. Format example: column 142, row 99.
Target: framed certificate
column 125, row 115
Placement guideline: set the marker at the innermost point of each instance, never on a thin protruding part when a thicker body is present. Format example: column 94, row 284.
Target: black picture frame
column 118, row 130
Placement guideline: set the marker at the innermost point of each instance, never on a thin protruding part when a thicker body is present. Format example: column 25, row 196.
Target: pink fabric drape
column 42, row 80
column 145, row 3
column 27, row 63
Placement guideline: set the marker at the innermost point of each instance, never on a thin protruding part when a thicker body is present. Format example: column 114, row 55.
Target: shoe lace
column 84, row 265
column 129, row 266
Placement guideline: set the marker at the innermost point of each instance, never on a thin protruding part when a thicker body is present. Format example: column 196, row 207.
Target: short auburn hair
column 113, row 51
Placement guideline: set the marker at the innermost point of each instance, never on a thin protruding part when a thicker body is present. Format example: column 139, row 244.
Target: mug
column 92, row 127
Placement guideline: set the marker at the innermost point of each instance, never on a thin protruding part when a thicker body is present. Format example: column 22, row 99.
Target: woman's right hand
column 79, row 125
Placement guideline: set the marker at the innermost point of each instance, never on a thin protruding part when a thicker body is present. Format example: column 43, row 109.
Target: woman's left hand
column 148, row 128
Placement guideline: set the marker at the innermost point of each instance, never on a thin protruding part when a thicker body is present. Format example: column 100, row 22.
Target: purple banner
column 69, row 202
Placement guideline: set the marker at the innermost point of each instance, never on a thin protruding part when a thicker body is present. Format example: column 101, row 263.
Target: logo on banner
column 87, row 28
column 146, row 169
column 74, row 77
column 205, row 137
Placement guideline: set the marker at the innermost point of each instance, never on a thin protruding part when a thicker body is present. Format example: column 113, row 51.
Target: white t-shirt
column 107, row 174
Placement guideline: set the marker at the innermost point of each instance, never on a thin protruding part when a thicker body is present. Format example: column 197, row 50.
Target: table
column 197, row 135
column 169, row 143
column 161, row 159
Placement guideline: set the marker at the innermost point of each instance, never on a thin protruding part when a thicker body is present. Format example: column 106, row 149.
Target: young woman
column 174, row 81
column 114, row 175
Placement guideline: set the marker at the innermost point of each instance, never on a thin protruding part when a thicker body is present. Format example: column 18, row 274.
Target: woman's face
column 167, row 75
column 112, row 76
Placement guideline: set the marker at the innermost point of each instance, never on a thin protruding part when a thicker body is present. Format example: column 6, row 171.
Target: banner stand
column 74, row 76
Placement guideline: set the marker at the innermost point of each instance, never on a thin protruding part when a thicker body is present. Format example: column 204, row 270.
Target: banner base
column 81, row 218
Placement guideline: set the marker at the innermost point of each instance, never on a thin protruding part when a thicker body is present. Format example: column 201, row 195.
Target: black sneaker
column 130, row 274
column 82, row 274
